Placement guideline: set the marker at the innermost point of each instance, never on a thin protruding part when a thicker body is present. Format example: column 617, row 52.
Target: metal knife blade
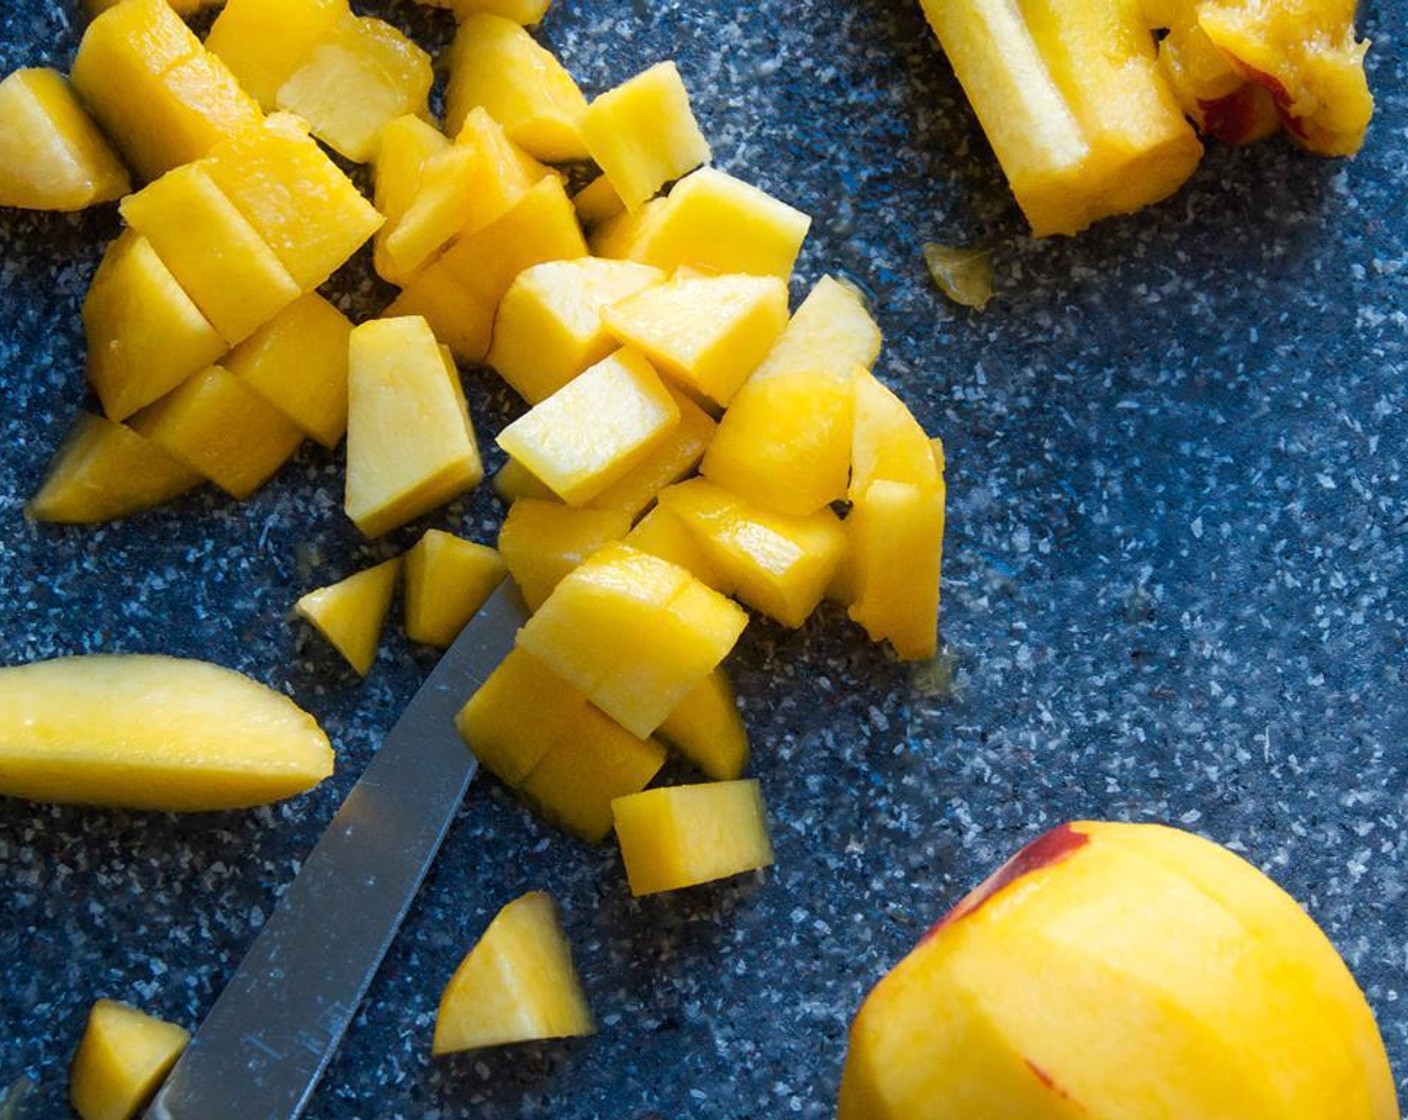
column 274, row 1028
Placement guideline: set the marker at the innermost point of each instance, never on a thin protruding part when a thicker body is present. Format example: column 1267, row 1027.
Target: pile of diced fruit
column 690, row 444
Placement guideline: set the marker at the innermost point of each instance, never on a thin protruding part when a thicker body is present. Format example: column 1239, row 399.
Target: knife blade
column 272, row 1031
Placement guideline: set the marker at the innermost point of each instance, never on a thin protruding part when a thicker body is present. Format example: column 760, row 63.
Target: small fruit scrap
column 1085, row 110
column 517, row 984
column 682, row 836
column 52, row 156
column 1119, row 970
column 121, row 1060
column 351, row 612
column 150, row 732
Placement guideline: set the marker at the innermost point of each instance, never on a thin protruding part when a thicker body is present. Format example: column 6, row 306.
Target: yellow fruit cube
column 459, row 293
column 628, row 237
column 597, row 202
column 462, row 189
column 708, row 333
column 360, row 75
column 575, row 783
column 662, row 534
column 832, row 332
column 410, row 444
column 541, row 542
column 643, row 134
column 716, row 223
column 403, row 146
column 121, row 1060
column 549, row 327
column 351, row 613
column 52, row 156
column 595, row 429
column 896, row 535
column 492, row 721
column 707, row 729
column 157, row 92
column 447, row 581
column 297, row 361
column 517, row 984
column 496, row 65
column 145, row 336
column 779, row 564
column 215, row 254
column 264, row 41
column 785, row 442
column 888, row 442
column 105, row 471
column 635, row 633
column 295, row 197
column 514, row 481
column 222, row 429
column 685, row 835
column 674, row 457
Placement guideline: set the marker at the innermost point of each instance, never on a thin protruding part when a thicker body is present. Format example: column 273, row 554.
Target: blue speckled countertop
column 1175, row 590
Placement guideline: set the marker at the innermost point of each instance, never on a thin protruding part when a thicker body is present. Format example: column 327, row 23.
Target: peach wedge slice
column 149, row 732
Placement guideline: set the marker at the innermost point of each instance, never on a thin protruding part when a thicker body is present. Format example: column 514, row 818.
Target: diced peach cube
column 633, row 632
column 785, row 442
column 410, row 444
column 597, row 202
column 264, row 41
column 888, row 442
column 52, row 156
column 497, row 66
column 299, row 201
column 517, row 984
column 161, row 97
column 549, row 327
column 514, row 482
column 360, row 75
column 661, row 533
column 492, row 725
column 145, row 336
column 570, row 759
column 459, row 292
column 681, row 836
column 716, row 223
column 595, row 429
column 447, row 580
column 222, row 429
column 105, row 471
column 215, row 254
column 674, row 457
column 708, row 730
column 628, row 237
column 121, row 1060
column 297, row 361
column 473, row 182
column 779, row 564
column 524, row 12
column 403, row 146
column 351, row 613
column 708, row 333
column 578, row 779
column 643, row 134
column 542, row 541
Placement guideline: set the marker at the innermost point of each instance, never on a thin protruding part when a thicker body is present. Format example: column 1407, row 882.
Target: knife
column 272, row 1031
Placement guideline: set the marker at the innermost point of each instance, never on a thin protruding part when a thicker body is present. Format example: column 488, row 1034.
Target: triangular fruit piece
column 516, row 984
column 120, row 1061
column 351, row 612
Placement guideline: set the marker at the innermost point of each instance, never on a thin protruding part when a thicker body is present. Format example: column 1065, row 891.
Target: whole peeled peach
column 1120, row 972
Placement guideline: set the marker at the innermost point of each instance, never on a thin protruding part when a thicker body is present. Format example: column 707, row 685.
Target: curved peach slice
column 150, row 732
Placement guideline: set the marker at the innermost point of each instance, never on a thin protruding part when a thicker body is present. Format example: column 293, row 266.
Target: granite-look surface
column 1175, row 590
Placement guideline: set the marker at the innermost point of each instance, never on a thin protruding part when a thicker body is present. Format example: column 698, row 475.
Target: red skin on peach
column 1052, row 847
